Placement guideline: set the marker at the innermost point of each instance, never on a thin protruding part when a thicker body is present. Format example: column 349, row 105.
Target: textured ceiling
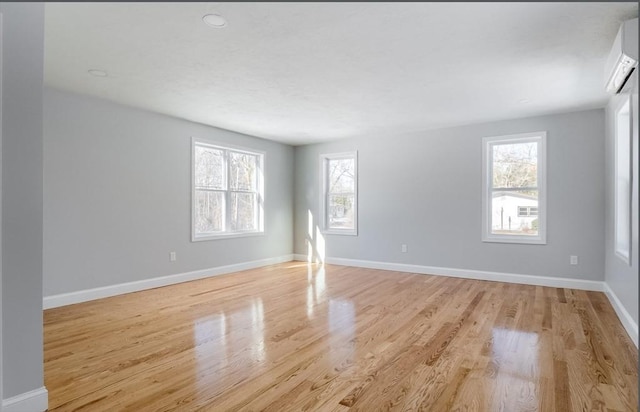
column 310, row 72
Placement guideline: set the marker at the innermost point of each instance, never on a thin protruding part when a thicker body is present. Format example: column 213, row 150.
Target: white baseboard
column 63, row 299
column 97, row 293
column 625, row 318
column 468, row 274
column 36, row 400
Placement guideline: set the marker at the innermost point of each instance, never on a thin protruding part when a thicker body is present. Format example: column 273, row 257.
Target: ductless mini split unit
column 623, row 57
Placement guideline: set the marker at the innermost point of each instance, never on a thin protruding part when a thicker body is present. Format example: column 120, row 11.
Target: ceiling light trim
column 214, row 20
column 97, row 73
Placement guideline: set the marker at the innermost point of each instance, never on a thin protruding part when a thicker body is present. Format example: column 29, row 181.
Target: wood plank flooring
column 296, row 337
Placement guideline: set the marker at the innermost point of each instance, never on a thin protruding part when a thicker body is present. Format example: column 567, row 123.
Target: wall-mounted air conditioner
column 623, row 57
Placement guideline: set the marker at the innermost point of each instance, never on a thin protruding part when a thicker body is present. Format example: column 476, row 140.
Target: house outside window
column 227, row 191
column 514, row 188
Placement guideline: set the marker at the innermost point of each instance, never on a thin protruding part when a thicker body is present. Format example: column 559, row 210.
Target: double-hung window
column 340, row 193
column 622, row 198
column 227, row 191
column 514, row 188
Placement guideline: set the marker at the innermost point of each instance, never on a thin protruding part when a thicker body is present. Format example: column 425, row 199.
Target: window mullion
column 327, row 193
column 514, row 189
column 328, row 197
column 227, row 223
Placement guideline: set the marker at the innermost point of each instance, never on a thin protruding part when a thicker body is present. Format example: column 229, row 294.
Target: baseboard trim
column 469, row 274
column 36, row 400
column 63, row 299
column 625, row 318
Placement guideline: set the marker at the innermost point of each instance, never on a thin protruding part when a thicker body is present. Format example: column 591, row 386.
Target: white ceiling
column 310, row 72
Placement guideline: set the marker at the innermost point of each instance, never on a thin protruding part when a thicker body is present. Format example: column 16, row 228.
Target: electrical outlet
column 404, row 248
column 172, row 256
column 573, row 260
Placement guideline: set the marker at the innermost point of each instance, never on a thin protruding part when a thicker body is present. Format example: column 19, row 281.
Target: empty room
column 310, row 206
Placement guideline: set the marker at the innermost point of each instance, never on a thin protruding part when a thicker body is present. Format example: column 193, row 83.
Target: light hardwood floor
column 294, row 337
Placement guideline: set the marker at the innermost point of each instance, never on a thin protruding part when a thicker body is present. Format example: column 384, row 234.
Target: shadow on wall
column 315, row 241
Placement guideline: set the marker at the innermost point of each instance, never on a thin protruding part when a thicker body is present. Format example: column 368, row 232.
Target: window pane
column 209, row 168
column 622, row 186
column 242, row 171
column 341, row 211
column 522, row 211
column 505, row 213
column 209, row 212
column 515, row 165
column 341, row 175
column 243, row 211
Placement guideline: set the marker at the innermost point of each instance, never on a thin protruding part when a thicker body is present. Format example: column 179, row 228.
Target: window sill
column 523, row 240
column 339, row 232
column 225, row 236
column 623, row 257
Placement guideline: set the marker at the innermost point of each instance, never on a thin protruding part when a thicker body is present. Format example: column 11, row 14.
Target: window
column 340, row 193
column 622, row 197
column 227, row 195
column 514, row 188
column 524, row 211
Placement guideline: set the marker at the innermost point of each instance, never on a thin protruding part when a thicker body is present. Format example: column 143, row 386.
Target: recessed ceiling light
column 97, row 73
column 214, row 20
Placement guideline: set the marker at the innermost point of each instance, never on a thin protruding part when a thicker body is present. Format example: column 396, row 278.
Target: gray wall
column 117, row 196
column 621, row 277
column 424, row 190
column 22, row 74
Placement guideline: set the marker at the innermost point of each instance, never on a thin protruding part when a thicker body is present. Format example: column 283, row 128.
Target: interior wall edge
column 625, row 317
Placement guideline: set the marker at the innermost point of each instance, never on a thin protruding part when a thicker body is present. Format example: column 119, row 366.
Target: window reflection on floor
column 243, row 327
column 516, row 368
column 210, row 348
column 257, row 331
column 342, row 327
column 316, row 288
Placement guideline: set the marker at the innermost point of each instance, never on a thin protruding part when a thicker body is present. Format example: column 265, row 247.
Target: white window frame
column 324, row 195
column 623, row 171
column 195, row 141
column 487, row 187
